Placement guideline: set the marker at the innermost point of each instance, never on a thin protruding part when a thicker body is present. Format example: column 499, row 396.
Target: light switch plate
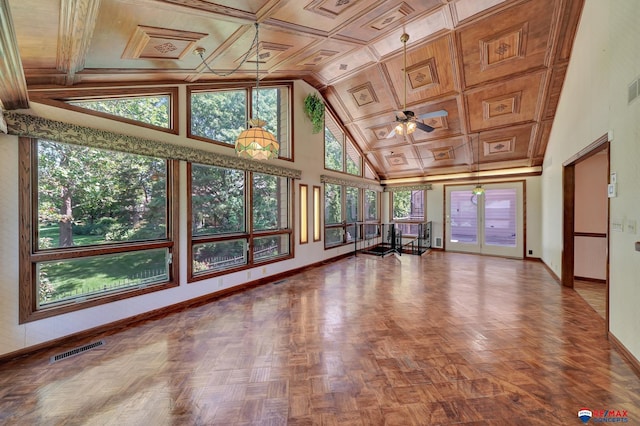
column 632, row 226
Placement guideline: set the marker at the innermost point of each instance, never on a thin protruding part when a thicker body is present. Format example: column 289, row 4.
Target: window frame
column 346, row 142
column 408, row 222
column 60, row 98
column 249, row 89
column 249, row 233
column 30, row 255
column 358, row 224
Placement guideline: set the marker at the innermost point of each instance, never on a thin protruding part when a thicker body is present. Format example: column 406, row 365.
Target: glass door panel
column 492, row 223
column 464, row 217
column 500, row 221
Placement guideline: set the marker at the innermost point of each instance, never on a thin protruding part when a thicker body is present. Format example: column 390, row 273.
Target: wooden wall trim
column 590, row 234
column 115, row 326
column 626, row 354
column 591, row 280
column 588, row 150
column 568, row 224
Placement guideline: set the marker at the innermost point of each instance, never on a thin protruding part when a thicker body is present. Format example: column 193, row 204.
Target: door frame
column 568, row 213
column 523, row 206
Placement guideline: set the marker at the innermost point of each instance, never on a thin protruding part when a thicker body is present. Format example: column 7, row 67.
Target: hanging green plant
column 314, row 108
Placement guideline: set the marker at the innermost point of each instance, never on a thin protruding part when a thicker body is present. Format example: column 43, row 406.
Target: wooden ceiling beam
column 77, row 21
column 13, row 86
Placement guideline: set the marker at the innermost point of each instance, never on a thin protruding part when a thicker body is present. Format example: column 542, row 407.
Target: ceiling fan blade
column 440, row 113
column 424, row 127
column 391, row 134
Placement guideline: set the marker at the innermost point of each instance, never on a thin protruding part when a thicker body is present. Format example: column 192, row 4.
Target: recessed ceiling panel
column 346, row 65
column 389, row 16
column 365, row 94
column 507, row 103
column 444, row 153
column 514, row 40
column 429, row 72
column 322, row 15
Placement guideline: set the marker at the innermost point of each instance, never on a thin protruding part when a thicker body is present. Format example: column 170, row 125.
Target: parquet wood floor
column 445, row 338
column 595, row 294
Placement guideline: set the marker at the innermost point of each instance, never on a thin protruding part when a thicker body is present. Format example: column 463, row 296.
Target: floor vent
column 280, row 282
column 76, row 351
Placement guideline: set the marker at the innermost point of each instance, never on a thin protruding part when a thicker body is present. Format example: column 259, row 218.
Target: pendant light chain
column 200, row 52
column 257, row 72
column 405, row 38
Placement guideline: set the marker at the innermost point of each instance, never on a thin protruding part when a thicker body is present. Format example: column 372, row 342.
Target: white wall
column 309, row 150
column 605, row 60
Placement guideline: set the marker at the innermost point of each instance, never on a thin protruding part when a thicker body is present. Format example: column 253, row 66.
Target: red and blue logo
column 585, row 415
column 603, row 416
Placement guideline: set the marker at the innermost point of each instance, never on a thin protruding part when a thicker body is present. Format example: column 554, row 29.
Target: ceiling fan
column 407, row 120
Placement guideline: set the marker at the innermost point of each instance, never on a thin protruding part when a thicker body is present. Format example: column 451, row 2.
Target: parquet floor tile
column 444, row 338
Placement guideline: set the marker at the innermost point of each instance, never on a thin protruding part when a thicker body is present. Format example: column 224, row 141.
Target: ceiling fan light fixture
column 405, row 128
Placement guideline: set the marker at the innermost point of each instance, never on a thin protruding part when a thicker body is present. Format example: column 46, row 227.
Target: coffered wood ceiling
column 496, row 66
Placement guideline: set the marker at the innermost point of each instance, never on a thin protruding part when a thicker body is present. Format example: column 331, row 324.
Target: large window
column 154, row 108
column 97, row 226
column 238, row 219
column 408, row 210
column 343, row 210
column 371, row 205
column 340, row 153
column 219, row 115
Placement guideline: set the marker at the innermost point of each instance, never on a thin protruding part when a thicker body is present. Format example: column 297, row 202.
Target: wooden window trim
column 424, row 195
column 249, row 235
column 344, row 224
column 29, row 257
column 59, row 97
column 346, row 139
column 248, row 87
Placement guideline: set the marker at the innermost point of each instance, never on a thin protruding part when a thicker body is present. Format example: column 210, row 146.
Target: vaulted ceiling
column 496, row 66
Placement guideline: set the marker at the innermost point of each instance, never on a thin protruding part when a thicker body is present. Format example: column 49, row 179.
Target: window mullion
column 249, row 214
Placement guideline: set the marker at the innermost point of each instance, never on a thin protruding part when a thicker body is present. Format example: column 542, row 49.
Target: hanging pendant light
column 478, row 190
column 257, row 143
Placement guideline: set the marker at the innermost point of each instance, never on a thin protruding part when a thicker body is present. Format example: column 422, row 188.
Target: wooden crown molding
column 13, row 91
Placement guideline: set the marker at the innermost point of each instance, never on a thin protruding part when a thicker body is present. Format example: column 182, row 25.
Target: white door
column 492, row 223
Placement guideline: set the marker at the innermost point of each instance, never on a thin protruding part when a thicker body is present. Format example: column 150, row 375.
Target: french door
column 492, row 223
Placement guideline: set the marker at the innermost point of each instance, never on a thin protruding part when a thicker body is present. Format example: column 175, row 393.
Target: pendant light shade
column 257, row 143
